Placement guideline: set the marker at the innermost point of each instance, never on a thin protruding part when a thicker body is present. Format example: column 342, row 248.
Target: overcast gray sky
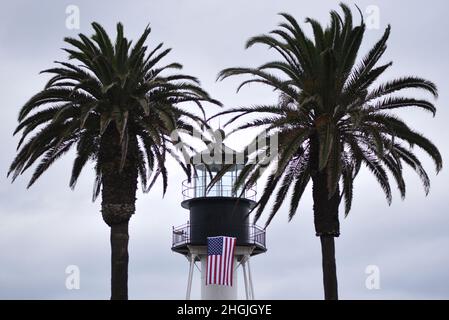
column 47, row 228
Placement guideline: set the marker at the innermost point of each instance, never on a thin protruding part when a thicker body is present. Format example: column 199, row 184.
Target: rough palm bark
column 329, row 268
column 117, row 207
column 325, row 211
column 327, row 225
column 119, row 261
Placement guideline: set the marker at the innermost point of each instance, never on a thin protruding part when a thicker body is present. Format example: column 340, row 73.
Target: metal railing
column 190, row 191
column 256, row 235
column 181, row 235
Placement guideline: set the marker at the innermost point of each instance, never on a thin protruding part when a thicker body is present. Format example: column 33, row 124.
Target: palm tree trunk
column 118, row 194
column 117, row 217
column 327, row 225
column 329, row 268
column 119, row 261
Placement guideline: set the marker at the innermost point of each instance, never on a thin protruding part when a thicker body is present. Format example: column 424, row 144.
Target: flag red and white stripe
column 220, row 260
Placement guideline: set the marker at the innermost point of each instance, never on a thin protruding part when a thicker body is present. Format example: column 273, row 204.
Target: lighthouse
column 218, row 211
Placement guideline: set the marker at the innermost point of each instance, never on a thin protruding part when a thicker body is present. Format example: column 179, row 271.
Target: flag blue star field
column 220, row 260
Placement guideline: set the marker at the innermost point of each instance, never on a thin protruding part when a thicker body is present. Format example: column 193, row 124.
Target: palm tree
column 118, row 110
column 330, row 120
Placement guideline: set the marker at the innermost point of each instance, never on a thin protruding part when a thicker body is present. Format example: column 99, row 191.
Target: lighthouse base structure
column 220, row 292
column 217, row 292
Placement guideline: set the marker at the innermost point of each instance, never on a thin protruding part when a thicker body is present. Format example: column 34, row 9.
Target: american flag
column 220, row 260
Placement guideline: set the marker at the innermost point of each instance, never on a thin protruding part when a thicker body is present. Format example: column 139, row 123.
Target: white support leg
column 250, row 280
column 189, row 282
column 245, row 278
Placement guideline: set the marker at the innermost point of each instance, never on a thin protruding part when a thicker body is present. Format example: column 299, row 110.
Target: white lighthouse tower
column 218, row 211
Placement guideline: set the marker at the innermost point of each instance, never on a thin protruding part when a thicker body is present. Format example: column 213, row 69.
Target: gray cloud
column 48, row 227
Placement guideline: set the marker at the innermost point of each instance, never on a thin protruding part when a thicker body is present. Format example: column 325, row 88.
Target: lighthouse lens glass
column 222, row 188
